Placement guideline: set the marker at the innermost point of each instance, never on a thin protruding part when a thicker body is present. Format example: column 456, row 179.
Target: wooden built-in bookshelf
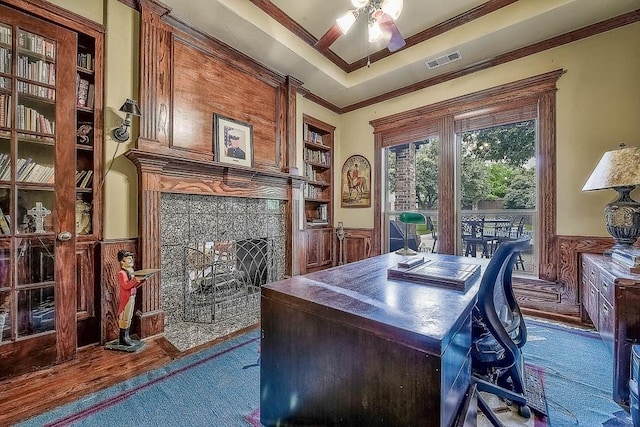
column 50, row 203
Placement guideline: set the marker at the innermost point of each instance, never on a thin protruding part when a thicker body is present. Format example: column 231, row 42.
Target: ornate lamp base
column 622, row 218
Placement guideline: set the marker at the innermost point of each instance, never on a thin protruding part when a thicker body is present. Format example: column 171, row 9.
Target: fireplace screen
column 223, row 279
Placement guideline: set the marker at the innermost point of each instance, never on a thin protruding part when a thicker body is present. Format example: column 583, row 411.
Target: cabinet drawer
column 590, row 302
column 606, row 322
column 605, row 286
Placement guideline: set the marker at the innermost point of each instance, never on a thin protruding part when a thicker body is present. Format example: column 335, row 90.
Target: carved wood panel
column 204, row 85
column 357, row 244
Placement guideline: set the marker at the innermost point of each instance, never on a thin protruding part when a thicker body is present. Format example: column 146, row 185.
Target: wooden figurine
column 128, row 282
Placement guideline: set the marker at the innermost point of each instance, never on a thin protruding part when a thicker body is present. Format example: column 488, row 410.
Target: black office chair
column 499, row 332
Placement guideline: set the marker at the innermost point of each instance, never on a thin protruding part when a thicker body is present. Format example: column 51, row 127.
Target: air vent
column 444, row 59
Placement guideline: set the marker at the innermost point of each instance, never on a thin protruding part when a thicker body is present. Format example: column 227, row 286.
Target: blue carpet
column 219, row 386
column 578, row 375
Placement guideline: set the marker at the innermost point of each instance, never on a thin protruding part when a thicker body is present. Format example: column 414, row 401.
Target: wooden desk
column 611, row 299
column 347, row 346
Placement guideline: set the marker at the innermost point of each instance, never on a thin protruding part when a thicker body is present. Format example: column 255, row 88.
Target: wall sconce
column 619, row 170
column 121, row 133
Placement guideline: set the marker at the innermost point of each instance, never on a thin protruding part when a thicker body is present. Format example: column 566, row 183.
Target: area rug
column 578, row 375
column 220, row 386
column 215, row 387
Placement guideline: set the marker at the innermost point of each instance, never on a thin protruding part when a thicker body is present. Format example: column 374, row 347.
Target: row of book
column 39, row 71
column 5, row 110
column 83, row 178
column 316, row 156
column 5, row 60
column 36, row 44
column 35, row 90
column 311, row 173
column 85, row 60
column 27, row 170
column 32, row 120
column 312, row 136
column 85, row 92
column 312, row 192
column 5, row 35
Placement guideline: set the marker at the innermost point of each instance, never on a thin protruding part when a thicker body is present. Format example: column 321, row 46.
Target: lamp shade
column 616, row 168
column 130, row 107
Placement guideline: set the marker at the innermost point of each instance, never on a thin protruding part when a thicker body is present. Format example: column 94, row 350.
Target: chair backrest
column 473, row 226
column 497, row 307
column 518, row 230
column 431, row 227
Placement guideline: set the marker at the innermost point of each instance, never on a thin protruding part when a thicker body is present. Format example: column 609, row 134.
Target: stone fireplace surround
column 186, row 219
column 181, row 199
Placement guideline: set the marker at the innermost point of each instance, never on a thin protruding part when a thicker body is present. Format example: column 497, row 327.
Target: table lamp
column 620, row 170
column 409, row 218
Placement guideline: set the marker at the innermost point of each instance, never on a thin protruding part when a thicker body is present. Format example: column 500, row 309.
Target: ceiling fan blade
column 390, row 32
column 329, row 37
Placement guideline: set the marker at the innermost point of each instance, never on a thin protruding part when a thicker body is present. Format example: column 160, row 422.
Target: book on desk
column 628, row 259
column 448, row 274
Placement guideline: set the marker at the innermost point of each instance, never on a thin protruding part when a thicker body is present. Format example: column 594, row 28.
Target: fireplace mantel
column 184, row 175
column 161, row 173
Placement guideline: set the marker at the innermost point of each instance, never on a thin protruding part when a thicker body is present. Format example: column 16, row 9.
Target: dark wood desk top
column 359, row 293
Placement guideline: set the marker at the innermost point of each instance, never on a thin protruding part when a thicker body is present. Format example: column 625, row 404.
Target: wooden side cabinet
column 610, row 298
column 319, row 243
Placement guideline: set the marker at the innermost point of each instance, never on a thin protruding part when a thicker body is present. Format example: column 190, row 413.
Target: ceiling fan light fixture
column 346, row 21
column 392, row 8
column 359, row 3
column 375, row 33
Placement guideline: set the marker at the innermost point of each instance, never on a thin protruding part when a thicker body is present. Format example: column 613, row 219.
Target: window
column 524, row 100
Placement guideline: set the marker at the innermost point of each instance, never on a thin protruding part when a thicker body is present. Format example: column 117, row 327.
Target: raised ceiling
column 280, row 34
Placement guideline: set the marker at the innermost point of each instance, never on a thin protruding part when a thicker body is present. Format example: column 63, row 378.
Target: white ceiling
column 245, row 27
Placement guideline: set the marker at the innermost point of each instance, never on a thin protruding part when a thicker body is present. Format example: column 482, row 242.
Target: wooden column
column 446, row 186
column 155, row 76
column 294, row 249
column 547, row 182
column 149, row 182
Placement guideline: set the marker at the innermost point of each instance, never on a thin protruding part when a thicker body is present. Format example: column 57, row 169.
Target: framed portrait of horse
column 356, row 182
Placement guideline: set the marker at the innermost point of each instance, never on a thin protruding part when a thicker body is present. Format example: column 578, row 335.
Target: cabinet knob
column 64, row 236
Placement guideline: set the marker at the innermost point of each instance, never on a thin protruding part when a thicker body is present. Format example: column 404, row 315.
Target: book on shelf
column 4, row 224
column 448, row 274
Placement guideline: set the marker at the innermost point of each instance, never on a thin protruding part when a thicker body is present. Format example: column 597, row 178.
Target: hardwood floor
column 94, row 369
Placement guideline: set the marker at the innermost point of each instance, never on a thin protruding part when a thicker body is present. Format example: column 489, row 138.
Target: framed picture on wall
column 233, row 141
column 356, row 182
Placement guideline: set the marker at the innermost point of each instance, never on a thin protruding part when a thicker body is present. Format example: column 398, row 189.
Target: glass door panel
column 35, row 285
column 412, row 184
column 35, row 210
column 497, row 187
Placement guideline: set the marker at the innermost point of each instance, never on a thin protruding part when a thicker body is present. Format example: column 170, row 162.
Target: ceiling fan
column 381, row 16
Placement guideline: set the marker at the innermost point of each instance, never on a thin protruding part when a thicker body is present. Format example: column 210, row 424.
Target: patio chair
column 473, row 235
column 434, row 235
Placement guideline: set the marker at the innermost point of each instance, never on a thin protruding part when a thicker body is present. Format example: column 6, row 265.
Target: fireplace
column 216, row 251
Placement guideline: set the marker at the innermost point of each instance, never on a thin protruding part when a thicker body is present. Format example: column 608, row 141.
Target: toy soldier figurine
column 128, row 286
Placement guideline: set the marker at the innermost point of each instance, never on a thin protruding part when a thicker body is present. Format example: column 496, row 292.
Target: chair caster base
column 524, row 411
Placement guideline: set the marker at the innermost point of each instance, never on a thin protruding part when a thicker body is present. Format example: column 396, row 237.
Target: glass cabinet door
column 35, row 201
column 37, row 164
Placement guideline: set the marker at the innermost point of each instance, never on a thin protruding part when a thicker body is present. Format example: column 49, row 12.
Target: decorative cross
column 38, row 213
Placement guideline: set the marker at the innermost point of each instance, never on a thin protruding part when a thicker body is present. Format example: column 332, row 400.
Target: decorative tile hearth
column 185, row 219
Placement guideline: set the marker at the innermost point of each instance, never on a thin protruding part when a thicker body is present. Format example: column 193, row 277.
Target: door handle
column 63, row 236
